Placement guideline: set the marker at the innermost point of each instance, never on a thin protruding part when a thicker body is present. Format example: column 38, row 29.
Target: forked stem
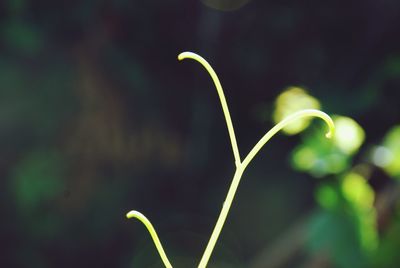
column 240, row 166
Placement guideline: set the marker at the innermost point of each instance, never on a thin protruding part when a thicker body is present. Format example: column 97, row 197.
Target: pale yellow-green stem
column 214, row 77
column 240, row 166
column 153, row 234
column 286, row 121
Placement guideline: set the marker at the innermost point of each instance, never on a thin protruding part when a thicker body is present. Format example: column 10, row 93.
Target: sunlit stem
column 153, row 234
column 286, row 121
column 214, row 77
column 241, row 168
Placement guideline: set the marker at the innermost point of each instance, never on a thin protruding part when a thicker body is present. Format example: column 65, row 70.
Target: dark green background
column 97, row 117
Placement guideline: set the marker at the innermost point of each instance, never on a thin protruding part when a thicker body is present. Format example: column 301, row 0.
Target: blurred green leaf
column 327, row 196
column 387, row 155
column 387, row 254
column 346, row 230
column 361, row 196
column 38, row 179
column 334, row 233
column 23, row 37
column 320, row 156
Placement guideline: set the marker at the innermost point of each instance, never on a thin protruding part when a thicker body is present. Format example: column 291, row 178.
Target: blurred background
column 97, row 117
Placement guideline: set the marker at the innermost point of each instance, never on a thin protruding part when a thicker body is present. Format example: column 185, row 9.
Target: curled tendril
column 240, row 165
column 153, row 234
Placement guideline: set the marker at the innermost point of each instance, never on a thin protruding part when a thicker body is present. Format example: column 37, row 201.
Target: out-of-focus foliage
column 294, row 99
column 320, row 156
column 38, row 180
column 346, row 227
column 387, row 254
column 387, row 155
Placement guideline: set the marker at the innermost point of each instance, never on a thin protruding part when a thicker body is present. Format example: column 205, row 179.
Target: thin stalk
column 153, row 234
column 242, row 167
column 221, row 95
column 286, row 121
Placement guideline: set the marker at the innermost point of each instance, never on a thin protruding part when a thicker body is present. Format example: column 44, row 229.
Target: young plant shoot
column 240, row 164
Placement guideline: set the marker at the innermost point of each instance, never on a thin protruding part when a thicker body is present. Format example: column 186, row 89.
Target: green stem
column 240, row 166
column 221, row 95
column 153, row 234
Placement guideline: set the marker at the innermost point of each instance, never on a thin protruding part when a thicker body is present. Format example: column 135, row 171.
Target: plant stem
column 222, row 217
column 221, row 95
column 153, row 234
column 240, row 168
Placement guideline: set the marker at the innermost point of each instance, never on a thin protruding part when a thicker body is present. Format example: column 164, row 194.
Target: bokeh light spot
column 360, row 194
column 357, row 190
column 389, row 157
column 292, row 100
column 304, row 158
column 348, row 134
column 382, row 156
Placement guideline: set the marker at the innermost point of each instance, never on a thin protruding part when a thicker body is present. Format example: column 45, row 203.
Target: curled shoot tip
column 153, row 234
column 286, row 121
column 316, row 113
column 221, row 95
column 186, row 54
